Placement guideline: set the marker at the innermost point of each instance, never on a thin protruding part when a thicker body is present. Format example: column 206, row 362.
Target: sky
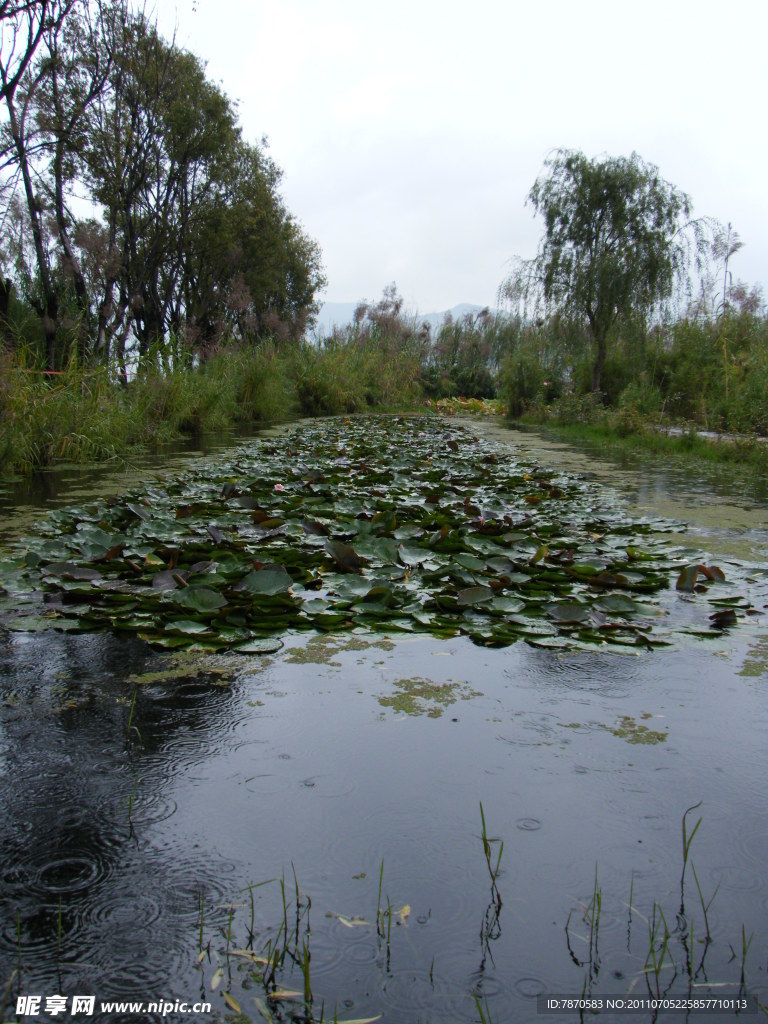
column 410, row 133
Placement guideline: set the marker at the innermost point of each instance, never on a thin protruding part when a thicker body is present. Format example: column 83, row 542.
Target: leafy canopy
column 617, row 239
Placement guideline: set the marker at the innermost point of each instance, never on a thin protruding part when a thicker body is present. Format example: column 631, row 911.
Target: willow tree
column 617, row 240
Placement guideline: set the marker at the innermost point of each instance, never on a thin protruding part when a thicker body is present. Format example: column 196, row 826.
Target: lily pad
column 200, row 599
column 266, row 581
column 378, row 522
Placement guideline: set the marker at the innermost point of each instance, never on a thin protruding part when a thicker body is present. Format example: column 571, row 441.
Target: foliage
column 461, row 358
column 716, row 387
column 191, row 238
column 470, row 406
column 615, row 243
column 710, row 373
column 84, row 414
column 343, row 377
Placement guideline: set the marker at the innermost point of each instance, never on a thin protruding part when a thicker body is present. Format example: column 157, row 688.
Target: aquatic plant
column 668, row 951
column 385, row 523
column 493, row 869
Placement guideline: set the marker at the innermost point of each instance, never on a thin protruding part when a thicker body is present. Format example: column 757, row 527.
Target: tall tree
column 617, row 239
column 22, row 23
column 79, row 53
column 188, row 236
column 22, row 79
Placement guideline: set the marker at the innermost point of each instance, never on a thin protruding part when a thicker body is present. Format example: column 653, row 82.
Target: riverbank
column 670, row 440
column 86, row 415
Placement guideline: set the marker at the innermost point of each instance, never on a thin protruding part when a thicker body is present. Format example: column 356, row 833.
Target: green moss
column 184, row 665
column 756, row 664
column 360, row 643
column 689, row 448
column 626, row 728
column 321, row 650
column 318, row 651
column 421, row 697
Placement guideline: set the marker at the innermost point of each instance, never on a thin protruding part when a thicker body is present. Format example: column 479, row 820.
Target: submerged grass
column 273, row 969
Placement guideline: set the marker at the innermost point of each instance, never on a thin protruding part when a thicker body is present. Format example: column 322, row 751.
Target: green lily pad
column 345, row 556
column 70, row 571
column 473, row 596
column 188, row 627
column 379, row 522
column 199, row 599
column 266, row 581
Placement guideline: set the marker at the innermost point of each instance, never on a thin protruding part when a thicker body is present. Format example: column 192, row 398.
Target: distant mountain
column 339, row 314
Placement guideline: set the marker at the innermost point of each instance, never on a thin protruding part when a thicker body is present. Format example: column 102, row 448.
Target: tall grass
column 85, row 415
column 705, row 374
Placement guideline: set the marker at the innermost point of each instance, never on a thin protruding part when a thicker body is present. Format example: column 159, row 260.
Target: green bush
column 526, row 381
column 349, row 376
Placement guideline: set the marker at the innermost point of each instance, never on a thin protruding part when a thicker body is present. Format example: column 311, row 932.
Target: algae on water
column 628, row 729
column 419, row 696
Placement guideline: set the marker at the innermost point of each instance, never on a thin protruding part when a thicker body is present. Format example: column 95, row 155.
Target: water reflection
column 23, row 498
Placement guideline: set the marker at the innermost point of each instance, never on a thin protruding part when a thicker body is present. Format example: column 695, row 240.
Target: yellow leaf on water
column 216, row 979
column 261, row 1006
column 232, row 1003
column 285, row 993
column 250, row 955
column 403, row 912
column 351, row 922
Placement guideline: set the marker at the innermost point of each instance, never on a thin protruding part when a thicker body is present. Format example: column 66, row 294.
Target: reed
column 379, row 914
column 687, row 840
column 483, row 1011
column 200, row 943
column 493, row 870
column 654, row 961
column 594, row 910
column 130, row 727
column 306, row 956
column 7, row 991
column 132, row 797
column 59, row 933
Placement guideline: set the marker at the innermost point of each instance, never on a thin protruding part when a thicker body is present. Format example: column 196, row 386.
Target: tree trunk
column 5, row 297
column 72, row 262
column 48, row 309
column 597, row 368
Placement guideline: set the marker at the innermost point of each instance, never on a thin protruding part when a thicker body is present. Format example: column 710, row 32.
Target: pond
column 315, row 833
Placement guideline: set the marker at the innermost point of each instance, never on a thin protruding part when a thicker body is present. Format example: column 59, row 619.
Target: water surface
column 342, row 753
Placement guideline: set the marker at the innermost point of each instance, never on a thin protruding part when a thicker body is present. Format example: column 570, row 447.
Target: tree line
column 134, row 216
column 139, row 231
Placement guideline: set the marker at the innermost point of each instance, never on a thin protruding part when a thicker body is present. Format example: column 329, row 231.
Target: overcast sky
column 410, row 133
